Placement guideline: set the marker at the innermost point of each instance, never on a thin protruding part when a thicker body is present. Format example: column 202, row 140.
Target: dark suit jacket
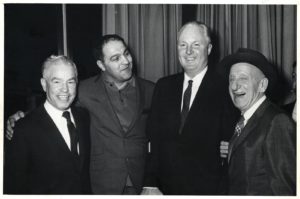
column 187, row 163
column 115, row 154
column 263, row 160
column 289, row 108
column 38, row 161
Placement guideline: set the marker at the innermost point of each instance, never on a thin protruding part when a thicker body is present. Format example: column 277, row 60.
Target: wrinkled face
column 193, row 49
column 117, row 64
column 59, row 83
column 247, row 84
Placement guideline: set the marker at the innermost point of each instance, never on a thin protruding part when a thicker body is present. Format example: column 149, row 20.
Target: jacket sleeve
column 16, row 164
column 281, row 155
column 152, row 129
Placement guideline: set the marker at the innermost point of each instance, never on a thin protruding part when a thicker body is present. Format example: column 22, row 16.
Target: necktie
column 186, row 104
column 237, row 131
column 72, row 132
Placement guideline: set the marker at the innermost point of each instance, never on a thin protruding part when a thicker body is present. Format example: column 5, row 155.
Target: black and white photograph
column 183, row 98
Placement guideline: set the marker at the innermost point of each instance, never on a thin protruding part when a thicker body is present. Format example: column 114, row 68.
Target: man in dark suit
column 187, row 121
column 262, row 151
column 118, row 103
column 50, row 153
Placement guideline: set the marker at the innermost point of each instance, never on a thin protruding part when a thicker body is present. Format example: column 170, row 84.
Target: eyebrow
column 118, row 54
column 56, row 78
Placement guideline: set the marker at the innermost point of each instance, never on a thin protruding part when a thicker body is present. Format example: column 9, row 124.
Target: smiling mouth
column 237, row 95
column 190, row 58
column 63, row 97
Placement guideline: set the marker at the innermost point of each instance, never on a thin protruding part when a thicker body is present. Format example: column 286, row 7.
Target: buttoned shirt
column 124, row 101
column 248, row 114
column 59, row 121
column 196, row 84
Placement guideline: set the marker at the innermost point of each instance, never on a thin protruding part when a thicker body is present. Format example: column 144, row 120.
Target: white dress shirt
column 196, row 84
column 248, row 114
column 60, row 121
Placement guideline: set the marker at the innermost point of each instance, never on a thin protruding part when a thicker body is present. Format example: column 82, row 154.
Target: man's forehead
column 114, row 44
column 191, row 31
column 114, row 47
column 245, row 67
column 56, row 68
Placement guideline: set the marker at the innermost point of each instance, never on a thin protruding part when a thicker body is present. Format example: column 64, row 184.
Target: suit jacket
column 187, row 163
column 38, row 161
column 263, row 159
column 289, row 107
column 115, row 153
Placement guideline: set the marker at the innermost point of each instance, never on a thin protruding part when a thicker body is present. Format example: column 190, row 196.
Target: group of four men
column 188, row 116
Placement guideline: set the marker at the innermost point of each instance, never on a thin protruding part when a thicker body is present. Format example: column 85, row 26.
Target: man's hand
column 151, row 191
column 10, row 124
column 224, row 149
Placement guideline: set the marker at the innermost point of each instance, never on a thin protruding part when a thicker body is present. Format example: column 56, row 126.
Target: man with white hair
column 50, row 150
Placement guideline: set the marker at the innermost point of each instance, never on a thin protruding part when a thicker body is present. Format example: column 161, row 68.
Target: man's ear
column 101, row 65
column 263, row 85
column 43, row 83
column 209, row 48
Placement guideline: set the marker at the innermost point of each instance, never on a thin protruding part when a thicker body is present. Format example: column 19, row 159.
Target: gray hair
column 56, row 59
column 201, row 25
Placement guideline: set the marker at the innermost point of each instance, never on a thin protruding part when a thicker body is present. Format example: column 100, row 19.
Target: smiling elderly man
column 262, row 151
column 50, row 150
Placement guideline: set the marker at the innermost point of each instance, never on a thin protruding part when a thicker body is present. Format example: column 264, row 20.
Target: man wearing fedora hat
column 262, row 151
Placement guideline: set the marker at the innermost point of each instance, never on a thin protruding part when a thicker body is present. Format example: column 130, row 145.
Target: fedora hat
column 255, row 58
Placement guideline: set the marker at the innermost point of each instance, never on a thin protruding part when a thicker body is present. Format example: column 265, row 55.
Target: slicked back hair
column 98, row 50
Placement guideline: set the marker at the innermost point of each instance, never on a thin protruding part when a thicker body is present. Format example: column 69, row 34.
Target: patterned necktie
column 237, row 131
column 186, row 104
column 72, row 132
column 239, row 126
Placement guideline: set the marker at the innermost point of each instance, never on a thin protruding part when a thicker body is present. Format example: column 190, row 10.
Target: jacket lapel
column 52, row 131
column 251, row 124
column 106, row 105
column 202, row 95
column 177, row 97
column 80, row 130
column 140, row 100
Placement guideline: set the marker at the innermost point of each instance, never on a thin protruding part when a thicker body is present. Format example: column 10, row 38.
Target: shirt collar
column 248, row 114
column 54, row 112
column 197, row 79
column 111, row 84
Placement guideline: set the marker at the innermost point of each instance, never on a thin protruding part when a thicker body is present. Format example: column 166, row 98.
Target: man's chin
column 64, row 106
column 238, row 105
column 127, row 77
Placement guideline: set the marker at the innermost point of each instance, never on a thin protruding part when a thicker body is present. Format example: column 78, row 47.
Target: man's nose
column 125, row 59
column 189, row 50
column 234, row 85
column 65, row 87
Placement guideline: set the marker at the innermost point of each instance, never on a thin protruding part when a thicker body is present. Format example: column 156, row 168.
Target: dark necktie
column 72, row 132
column 186, row 104
column 237, row 131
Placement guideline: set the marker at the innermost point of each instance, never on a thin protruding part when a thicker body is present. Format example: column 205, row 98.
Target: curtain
column 150, row 31
column 270, row 29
